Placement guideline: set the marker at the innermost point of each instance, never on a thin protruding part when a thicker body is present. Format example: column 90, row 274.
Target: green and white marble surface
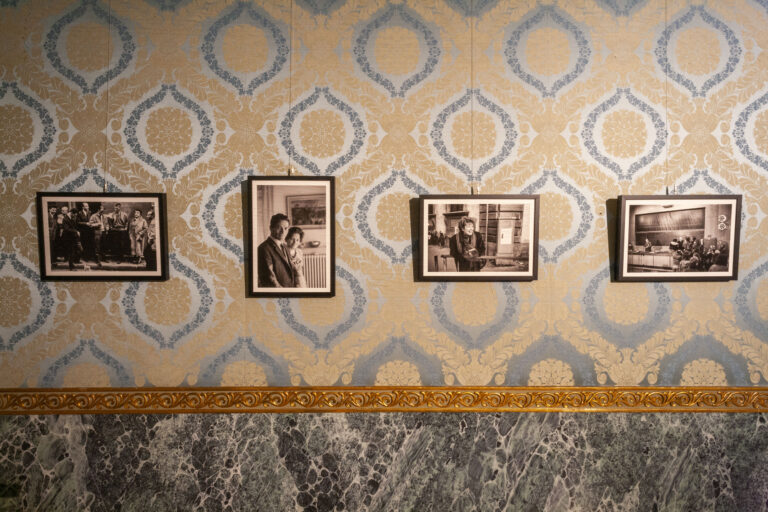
column 387, row 462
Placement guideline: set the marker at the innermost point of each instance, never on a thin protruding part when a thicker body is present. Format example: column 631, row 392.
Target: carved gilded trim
column 381, row 399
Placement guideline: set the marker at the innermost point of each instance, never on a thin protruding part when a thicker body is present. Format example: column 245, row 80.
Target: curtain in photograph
column 265, row 198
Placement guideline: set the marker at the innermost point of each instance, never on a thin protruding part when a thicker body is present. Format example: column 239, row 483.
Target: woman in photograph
column 137, row 230
column 467, row 247
column 293, row 242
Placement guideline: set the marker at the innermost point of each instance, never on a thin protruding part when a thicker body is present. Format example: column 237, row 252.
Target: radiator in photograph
column 314, row 270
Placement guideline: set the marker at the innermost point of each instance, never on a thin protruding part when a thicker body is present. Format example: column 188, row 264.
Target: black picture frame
column 683, row 238
column 508, row 227
column 268, row 196
column 101, row 248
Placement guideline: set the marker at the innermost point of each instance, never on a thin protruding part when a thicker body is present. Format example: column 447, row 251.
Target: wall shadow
column 611, row 224
column 413, row 209
column 245, row 203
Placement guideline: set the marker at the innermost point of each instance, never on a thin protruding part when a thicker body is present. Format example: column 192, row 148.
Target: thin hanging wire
column 290, row 81
column 472, row 92
column 106, row 113
column 666, row 111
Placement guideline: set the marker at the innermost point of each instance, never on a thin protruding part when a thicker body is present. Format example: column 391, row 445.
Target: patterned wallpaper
column 578, row 101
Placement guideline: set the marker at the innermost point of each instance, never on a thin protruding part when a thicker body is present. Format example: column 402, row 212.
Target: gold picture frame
column 382, row 399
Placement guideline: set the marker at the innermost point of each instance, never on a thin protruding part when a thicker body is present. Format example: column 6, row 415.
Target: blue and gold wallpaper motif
column 576, row 101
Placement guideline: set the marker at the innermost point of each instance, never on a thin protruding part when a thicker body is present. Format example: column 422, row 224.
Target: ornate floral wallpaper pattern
column 576, row 101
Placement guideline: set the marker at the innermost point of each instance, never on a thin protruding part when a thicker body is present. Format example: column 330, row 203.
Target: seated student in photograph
column 293, row 242
column 677, row 258
column 711, row 256
column 685, row 262
column 721, row 263
column 694, row 264
column 467, row 246
column 648, row 245
column 274, row 268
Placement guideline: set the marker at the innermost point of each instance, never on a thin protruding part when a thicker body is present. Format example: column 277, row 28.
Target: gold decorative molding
column 381, row 399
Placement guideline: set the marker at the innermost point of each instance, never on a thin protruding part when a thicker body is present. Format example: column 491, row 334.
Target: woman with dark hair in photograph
column 293, row 240
column 467, row 247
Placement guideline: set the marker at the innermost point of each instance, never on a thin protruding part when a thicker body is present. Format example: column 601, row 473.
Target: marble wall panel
column 424, row 462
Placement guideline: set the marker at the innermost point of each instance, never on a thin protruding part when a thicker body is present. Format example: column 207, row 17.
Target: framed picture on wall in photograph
column 102, row 237
column 290, row 236
column 678, row 238
column 307, row 211
column 478, row 237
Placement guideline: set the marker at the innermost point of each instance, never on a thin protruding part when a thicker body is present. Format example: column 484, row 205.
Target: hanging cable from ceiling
column 107, row 108
column 290, row 81
column 473, row 184
column 666, row 111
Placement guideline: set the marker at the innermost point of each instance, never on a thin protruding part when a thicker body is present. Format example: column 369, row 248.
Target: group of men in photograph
column 79, row 235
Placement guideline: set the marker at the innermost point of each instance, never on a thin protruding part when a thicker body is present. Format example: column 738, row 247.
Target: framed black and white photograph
column 102, row 237
column 478, row 237
column 291, row 236
column 678, row 238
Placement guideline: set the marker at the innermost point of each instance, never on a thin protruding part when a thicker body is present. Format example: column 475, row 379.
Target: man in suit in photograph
column 274, row 267
column 83, row 218
column 52, row 214
column 71, row 237
column 97, row 224
column 119, row 240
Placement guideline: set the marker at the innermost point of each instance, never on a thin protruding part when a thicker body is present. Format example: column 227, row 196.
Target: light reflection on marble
column 441, row 462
